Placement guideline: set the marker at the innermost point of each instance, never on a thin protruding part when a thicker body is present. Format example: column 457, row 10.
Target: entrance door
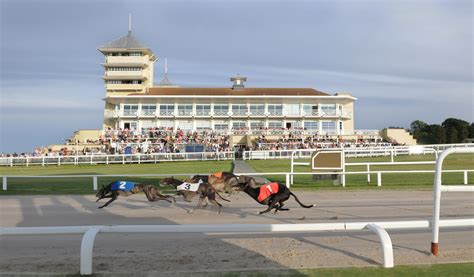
column 288, row 125
column 126, row 125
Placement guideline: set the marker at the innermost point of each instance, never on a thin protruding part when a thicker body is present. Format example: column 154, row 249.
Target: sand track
column 173, row 253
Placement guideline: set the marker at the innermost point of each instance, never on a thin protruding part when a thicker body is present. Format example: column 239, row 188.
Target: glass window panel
column 292, row 109
column 275, row 109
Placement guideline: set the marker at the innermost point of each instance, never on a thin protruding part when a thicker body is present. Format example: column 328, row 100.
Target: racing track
column 191, row 253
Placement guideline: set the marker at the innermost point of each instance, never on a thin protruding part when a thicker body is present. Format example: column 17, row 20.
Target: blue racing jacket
column 123, row 185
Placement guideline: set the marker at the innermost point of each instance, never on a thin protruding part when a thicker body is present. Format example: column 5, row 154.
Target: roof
column 232, row 92
column 125, row 42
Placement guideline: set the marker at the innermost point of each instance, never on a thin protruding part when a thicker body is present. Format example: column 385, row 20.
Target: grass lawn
column 84, row 185
column 405, row 180
column 461, row 269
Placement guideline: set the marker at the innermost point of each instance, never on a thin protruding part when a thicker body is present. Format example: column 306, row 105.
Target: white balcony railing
column 203, row 113
column 187, row 113
column 221, row 113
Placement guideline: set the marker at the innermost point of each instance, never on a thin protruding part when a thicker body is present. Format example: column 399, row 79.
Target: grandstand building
column 133, row 101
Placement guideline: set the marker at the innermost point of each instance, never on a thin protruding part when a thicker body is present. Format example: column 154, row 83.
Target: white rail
column 287, row 175
column 373, row 151
column 90, row 232
column 117, row 159
column 438, row 187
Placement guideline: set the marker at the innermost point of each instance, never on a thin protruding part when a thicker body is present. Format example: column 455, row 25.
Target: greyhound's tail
column 222, row 197
column 299, row 202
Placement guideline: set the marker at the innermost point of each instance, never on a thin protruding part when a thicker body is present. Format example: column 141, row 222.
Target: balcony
column 203, row 113
column 112, row 60
column 221, row 113
column 168, row 113
column 134, row 87
column 257, row 113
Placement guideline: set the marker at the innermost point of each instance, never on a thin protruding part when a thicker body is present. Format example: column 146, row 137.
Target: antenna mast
column 130, row 22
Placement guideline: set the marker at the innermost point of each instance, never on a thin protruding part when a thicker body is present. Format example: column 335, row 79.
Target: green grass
column 84, row 185
column 398, row 180
column 461, row 269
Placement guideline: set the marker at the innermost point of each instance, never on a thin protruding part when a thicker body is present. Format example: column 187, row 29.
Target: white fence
column 95, row 178
column 90, row 232
column 379, row 228
column 438, row 187
column 354, row 152
column 117, row 159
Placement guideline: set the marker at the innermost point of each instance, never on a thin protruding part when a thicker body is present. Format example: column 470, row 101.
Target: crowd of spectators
column 168, row 140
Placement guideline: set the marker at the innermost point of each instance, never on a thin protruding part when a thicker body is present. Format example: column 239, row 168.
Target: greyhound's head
column 240, row 186
column 101, row 192
column 169, row 182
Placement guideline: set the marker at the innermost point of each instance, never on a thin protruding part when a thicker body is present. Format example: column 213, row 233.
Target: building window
column 166, row 109
column 123, row 82
column 239, row 109
column 292, row 109
column 310, row 109
column 125, row 54
column 239, row 125
column 166, row 124
column 257, row 125
column 221, row 126
column 221, row 109
column 148, row 110
column 311, row 126
column 203, row 110
column 275, row 109
column 202, row 125
column 130, row 125
column 292, row 124
column 258, row 109
column 185, row 110
column 328, row 109
column 185, row 125
column 130, row 110
column 275, row 124
column 328, row 127
column 148, row 124
column 123, row 69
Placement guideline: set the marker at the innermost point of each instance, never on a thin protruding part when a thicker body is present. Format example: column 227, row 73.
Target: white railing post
column 94, row 183
column 107, row 159
column 387, row 248
column 465, row 177
column 4, row 183
column 139, row 155
column 379, row 179
column 42, row 161
column 437, row 194
column 87, row 246
column 287, row 180
column 368, row 173
column 59, row 160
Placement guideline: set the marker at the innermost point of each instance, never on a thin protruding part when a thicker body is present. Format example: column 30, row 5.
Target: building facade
column 132, row 101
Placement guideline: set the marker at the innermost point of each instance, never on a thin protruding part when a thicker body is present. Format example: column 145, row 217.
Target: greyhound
column 125, row 188
column 203, row 189
column 271, row 194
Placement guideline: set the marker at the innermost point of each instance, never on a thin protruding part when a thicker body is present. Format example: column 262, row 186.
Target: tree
column 436, row 134
column 471, row 130
column 456, row 126
column 418, row 129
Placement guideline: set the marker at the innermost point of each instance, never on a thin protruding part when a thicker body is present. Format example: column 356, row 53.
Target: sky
column 403, row 60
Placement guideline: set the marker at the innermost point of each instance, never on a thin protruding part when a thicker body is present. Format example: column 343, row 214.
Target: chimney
column 238, row 81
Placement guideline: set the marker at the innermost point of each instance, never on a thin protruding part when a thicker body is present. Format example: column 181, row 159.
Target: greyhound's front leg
column 270, row 207
column 105, row 196
column 198, row 205
column 114, row 197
